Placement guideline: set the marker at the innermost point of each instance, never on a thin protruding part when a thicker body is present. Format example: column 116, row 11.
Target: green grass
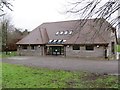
column 16, row 76
column 118, row 48
column 0, row 76
column 9, row 54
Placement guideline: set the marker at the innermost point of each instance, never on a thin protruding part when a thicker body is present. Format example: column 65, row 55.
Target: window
column 24, row 47
column 64, row 41
column 57, row 33
column 70, row 32
column 76, row 47
column 50, row 41
column 89, row 47
column 61, row 33
column 33, row 47
column 66, row 32
column 59, row 41
column 54, row 41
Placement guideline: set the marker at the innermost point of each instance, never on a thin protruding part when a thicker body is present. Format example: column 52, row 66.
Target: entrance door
column 56, row 50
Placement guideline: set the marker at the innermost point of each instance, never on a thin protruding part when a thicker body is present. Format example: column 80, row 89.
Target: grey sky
column 28, row 14
column 31, row 13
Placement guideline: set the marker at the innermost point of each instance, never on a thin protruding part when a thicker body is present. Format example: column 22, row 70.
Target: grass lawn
column 16, row 76
column 118, row 48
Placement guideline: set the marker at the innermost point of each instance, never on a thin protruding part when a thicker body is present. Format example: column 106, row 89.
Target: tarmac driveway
column 93, row 66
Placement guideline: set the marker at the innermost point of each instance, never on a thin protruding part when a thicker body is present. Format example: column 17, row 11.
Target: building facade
column 75, row 38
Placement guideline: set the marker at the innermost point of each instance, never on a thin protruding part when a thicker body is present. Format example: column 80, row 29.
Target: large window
column 76, row 47
column 89, row 47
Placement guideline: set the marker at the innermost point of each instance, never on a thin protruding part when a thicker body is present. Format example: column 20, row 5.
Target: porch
column 55, row 50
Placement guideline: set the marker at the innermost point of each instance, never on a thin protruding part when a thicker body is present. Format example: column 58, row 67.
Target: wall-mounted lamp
column 56, row 50
column 39, row 46
column 98, row 46
column 68, row 46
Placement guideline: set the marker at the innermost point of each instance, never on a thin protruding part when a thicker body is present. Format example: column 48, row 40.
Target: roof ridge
column 69, row 20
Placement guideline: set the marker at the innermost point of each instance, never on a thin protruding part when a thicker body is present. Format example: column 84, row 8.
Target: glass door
column 56, row 50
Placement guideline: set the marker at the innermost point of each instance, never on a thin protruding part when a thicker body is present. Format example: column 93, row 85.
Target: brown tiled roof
column 90, row 32
column 37, row 36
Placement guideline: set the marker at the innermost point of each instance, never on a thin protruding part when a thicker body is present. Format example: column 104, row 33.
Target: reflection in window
column 57, row 33
column 64, row 41
column 59, row 41
column 66, row 32
column 61, row 32
column 50, row 41
column 54, row 41
column 70, row 32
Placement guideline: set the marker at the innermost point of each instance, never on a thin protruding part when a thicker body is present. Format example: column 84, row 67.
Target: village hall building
column 74, row 38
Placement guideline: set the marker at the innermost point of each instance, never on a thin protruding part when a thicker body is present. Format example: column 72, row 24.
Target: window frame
column 57, row 33
column 76, row 47
column 89, row 47
column 35, row 47
column 32, row 47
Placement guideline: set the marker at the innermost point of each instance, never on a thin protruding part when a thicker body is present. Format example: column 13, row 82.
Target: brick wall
column 29, row 52
column 97, row 52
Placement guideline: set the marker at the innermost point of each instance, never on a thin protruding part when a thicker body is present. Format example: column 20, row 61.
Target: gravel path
column 55, row 62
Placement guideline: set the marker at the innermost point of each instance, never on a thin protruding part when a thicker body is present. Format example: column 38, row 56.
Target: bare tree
column 3, row 4
column 4, row 24
column 88, row 9
column 96, row 9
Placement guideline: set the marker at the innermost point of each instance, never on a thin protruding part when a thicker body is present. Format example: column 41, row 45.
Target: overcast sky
column 28, row 14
